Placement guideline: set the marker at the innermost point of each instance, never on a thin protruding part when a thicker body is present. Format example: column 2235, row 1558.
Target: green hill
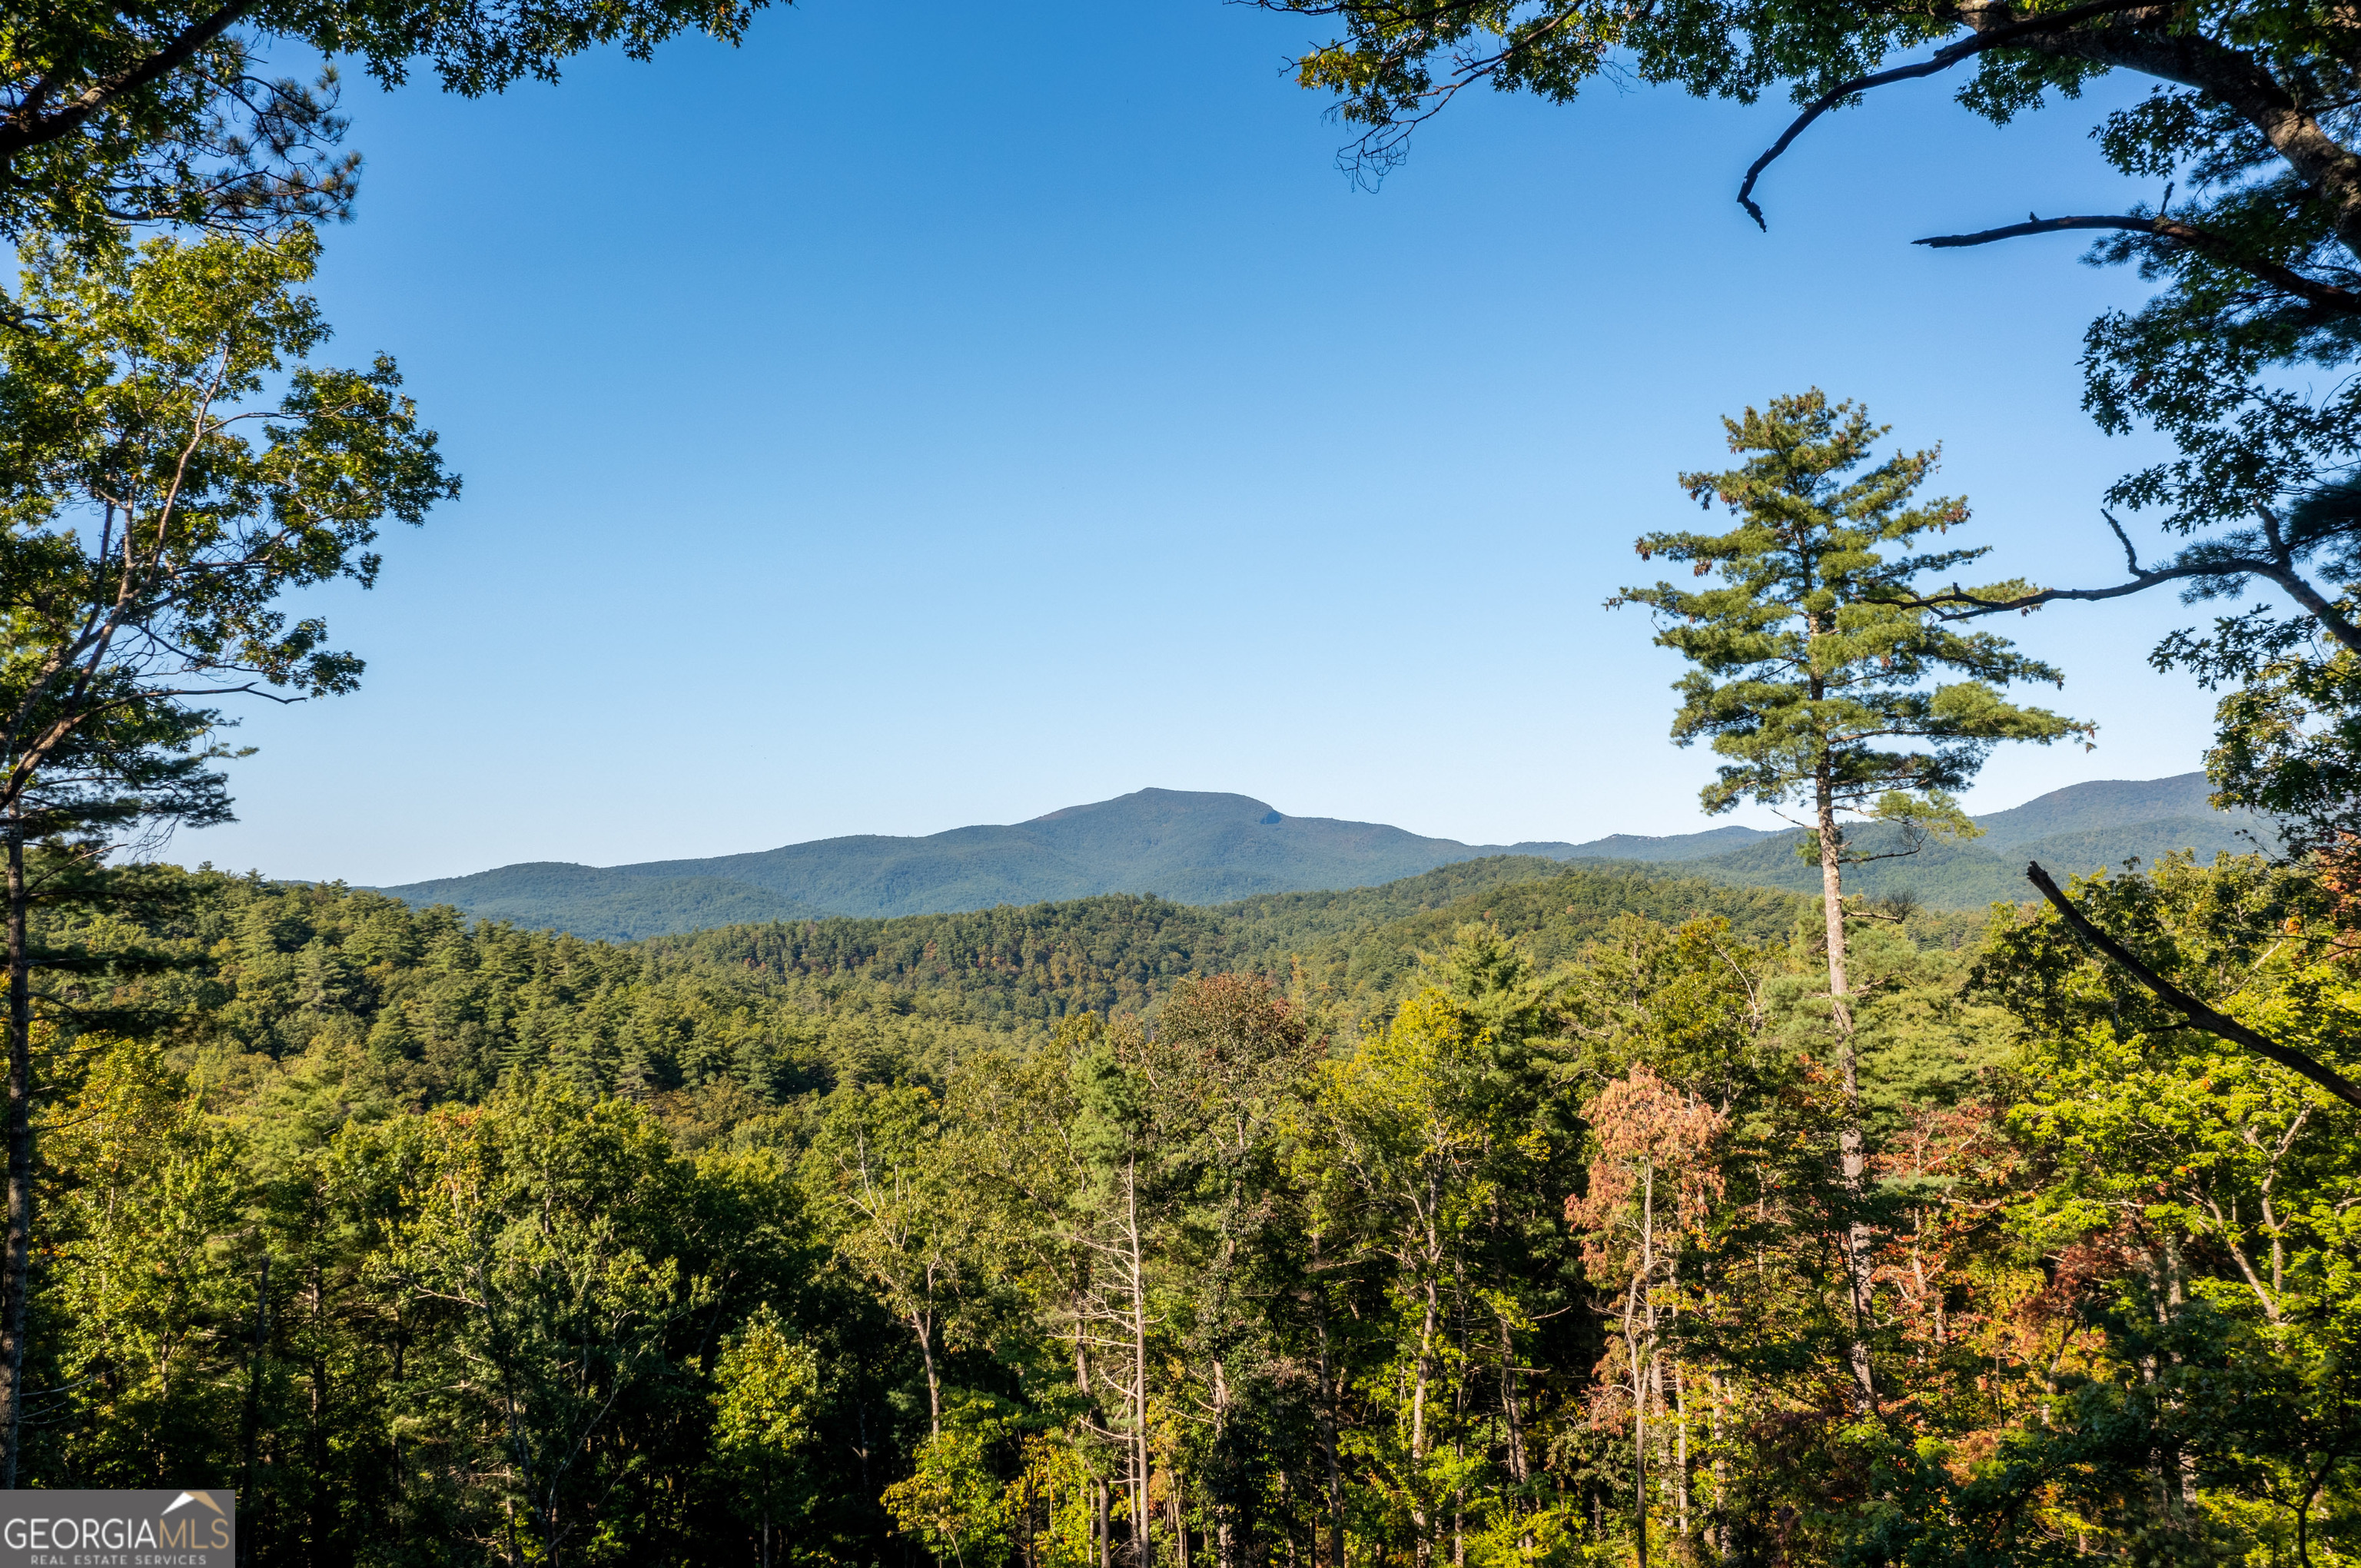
column 2073, row 831
column 603, row 904
column 1189, row 847
column 1118, row 952
column 426, row 1006
column 1201, row 848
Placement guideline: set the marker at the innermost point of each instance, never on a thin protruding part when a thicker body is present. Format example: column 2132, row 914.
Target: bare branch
column 2325, row 296
column 2199, row 1015
column 1966, row 606
column 1942, row 59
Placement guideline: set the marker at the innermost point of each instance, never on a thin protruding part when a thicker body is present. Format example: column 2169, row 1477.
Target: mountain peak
column 1166, row 805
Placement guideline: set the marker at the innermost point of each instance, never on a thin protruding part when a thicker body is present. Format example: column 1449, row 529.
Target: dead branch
column 2324, row 296
column 2199, row 1015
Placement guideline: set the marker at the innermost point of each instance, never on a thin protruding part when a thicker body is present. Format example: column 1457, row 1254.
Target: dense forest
column 1466, row 1215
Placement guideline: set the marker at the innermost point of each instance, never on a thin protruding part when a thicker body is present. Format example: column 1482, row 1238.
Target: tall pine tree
column 1819, row 675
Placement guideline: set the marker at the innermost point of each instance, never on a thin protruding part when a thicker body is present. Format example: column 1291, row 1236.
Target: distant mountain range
column 1198, row 847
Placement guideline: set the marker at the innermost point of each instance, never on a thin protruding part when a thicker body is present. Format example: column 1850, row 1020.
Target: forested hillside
column 1187, row 844
column 427, row 1007
column 1198, row 847
column 1294, row 1227
column 1090, row 1192
column 2073, row 831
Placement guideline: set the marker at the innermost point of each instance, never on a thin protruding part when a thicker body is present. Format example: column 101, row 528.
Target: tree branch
column 2325, row 296
column 2199, row 1015
column 2345, row 631
column 32, row 132
column 1942, row 59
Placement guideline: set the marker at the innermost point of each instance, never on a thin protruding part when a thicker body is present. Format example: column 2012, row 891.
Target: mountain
column 1185, row 845
column 2106, row 804
column 1196, row 847
column 2081, row 828
column 1678, row 847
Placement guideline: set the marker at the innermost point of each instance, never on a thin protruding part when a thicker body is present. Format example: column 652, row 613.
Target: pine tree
column 1818, row 674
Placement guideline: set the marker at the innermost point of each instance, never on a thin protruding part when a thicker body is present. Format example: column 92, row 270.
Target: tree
column 2287, row 734
column 546, row 1241
column 146, row 540
column 765, row 1384
column 879, row 1179
column 2191, row 1205
column 1397, row 1134
column 148, row 1270
column 954, row 1502
column 2257, row 264
column 1227, row 1056
column 163, row 114
column 1118, row 1131
column 1813, row 668
column 1650, row 1188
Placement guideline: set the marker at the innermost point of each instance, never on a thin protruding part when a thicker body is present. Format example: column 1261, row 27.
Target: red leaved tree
column 1651, row 1186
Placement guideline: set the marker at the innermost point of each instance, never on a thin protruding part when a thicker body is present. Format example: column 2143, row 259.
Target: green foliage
column 148, row 539
column 165, row 115
column 1263, row 1266
column 1812, row 660
column 954, row 1503
column 765, row 1384
column 2287, row 737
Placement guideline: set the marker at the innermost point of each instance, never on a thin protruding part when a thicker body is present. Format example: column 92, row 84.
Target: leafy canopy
column 173, row 464
column 165, row 112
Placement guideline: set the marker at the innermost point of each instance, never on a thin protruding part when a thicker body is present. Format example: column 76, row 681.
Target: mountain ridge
column 1206, row 847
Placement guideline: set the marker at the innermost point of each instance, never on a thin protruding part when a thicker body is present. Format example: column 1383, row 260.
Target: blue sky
column 930, row 414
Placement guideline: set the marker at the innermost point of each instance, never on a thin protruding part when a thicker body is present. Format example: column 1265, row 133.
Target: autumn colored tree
column 1651, row 1186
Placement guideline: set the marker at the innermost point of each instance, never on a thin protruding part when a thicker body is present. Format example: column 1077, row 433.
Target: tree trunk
column 1640, row 1346
column 1223, row 1492
column 17, row 1264
column 1720, row 1525
column 1423, row 1548
column 1143, row 1535
column 1519, row 1471
column 1328, row 1399
column 2151, row 41
column 253, row 1442
column 1851, row 1148
column 1638, row 1462
column 1459, row 1387
column 923, row 1325
column 1681, row 1449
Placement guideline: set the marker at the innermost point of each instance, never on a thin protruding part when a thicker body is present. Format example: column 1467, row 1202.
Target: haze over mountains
column 1202, row 847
